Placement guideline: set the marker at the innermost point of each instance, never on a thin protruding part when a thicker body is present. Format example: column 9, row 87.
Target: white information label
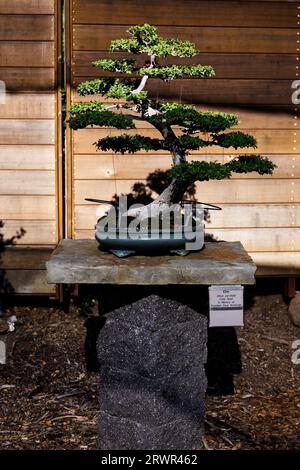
column 226, row 305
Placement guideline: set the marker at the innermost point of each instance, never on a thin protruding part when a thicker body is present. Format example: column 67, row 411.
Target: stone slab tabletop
column 81, row 262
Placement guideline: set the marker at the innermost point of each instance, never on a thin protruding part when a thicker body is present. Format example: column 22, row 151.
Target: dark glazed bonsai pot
column 189, row 239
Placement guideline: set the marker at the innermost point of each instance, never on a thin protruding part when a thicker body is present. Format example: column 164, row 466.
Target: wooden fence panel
column 96, row 37
column 254, row 47
column 29, row 164
column 188, row 13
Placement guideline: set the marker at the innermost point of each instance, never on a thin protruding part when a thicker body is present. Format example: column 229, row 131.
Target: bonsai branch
column 145, row 77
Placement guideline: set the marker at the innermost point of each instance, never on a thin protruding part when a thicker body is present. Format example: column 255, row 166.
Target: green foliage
column 235, row 139
column 249, row 163
column 112, row 88
column 165, row 106
column 146, row 40
column 119, row 90
column 232, row 139
column 118, row 65
column 170, row 72
column 192, row 120
column 126, row 45
column 187, row 142
column 212, row 121
column 83, row 106
column 129, row 143
column 204, row 171
column 200, row 171
column 144, row 37
column 173, row 47
column 145, row 33
column 93, row 87
column 84, row 114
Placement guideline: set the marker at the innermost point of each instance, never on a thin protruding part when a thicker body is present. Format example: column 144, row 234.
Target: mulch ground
column 48, row 400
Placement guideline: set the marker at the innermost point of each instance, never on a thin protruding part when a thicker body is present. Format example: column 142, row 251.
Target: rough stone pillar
column 152, row 380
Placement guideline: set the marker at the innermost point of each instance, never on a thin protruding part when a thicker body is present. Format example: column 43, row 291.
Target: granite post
column 152, row 380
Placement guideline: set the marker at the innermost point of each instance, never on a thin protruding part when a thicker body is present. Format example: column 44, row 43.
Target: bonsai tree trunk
column 174, row 193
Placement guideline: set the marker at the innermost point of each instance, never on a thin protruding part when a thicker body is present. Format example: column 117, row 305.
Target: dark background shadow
column 5, row 286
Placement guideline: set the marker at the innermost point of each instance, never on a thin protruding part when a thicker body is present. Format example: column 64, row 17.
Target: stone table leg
column 152, row 380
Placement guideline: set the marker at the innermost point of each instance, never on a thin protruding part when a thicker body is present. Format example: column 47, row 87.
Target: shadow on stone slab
column 114, row 297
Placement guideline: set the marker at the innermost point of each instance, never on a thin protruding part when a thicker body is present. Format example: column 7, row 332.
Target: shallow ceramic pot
column 160, row 240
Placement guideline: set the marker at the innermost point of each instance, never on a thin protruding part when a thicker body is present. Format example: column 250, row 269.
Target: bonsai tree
column 145, row 56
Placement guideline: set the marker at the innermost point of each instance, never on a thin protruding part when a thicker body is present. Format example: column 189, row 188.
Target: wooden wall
column 29, row 193
column 253, row 47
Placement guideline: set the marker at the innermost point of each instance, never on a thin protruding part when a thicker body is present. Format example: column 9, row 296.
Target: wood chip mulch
column 48, row 400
